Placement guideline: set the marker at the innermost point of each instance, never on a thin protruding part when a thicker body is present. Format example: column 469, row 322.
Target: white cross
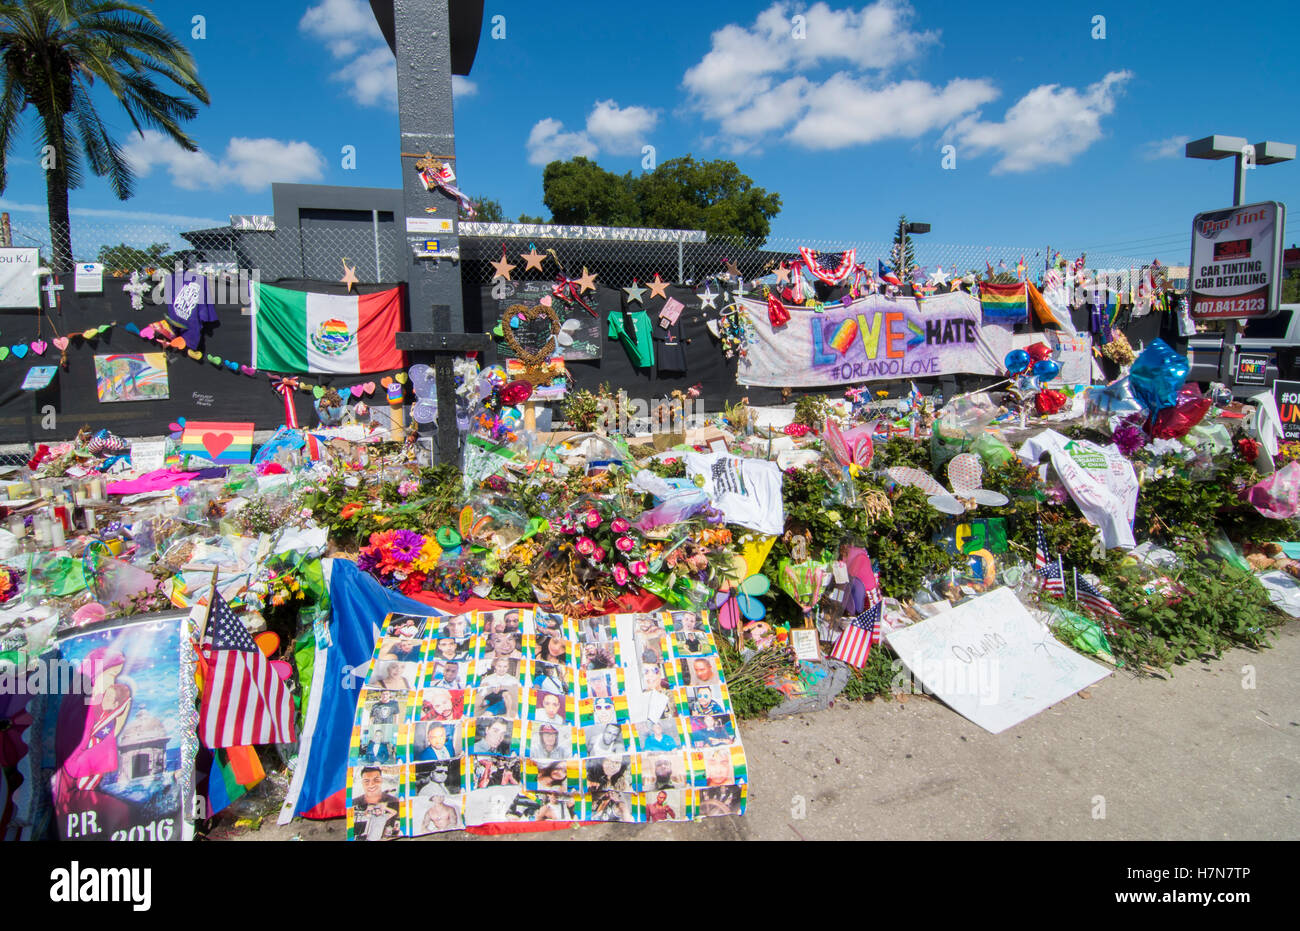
column 136, row 289
column 51, row 293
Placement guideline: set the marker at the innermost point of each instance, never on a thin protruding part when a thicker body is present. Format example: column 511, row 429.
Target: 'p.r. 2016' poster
column 124, row 741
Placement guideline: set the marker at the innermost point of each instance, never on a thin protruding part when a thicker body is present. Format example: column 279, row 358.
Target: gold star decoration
column 732, row 269
column 349, row 275
column 503, row 268
column 587, row 281
column 534, row 259
column 783, row 274
column 658, row 287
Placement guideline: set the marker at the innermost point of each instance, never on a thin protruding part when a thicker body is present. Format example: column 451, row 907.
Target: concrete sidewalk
column 1192, row 757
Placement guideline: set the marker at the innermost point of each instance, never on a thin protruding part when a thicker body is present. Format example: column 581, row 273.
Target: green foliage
column 811, row 410
column 486, row 210
column 62, row 58
column 123, row 259
column 435, row 504
column 1291, row 287
column 681, row 193
column 901, row 451
column 873, row 680
column 746, row 679
column 531, row 220
column 582, row 409
column 1208, row 606
column 904, row 260
column 902, row 544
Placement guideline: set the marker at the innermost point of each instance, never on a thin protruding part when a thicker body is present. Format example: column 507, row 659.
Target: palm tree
column 51, row 54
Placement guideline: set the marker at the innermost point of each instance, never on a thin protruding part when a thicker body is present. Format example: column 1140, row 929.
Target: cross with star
column 51, row 290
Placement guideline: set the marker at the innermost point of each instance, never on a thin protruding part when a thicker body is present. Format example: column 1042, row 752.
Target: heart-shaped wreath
column 537, row 369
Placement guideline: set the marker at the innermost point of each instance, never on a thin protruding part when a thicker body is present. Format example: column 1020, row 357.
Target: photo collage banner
column 524, row 716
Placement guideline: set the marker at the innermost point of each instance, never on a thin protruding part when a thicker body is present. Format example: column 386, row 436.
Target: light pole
column 905, row 230
column 1215, row 148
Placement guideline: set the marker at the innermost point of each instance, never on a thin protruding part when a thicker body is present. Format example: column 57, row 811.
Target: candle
column 41, row 529
column 16, row 526
column 90, row 519
column 57, row 539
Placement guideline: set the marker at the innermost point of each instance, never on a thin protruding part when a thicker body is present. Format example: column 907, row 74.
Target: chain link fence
column 377, row 250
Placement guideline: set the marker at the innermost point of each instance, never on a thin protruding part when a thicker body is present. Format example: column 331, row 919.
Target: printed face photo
column 693, row 643
column 449, row 676
column 399, row 649
column 493, row 735
column 604, row 711
column 443, row 778
column 550, row 678
column 598, row 629
column 503, row 644
column 550, row 776
column 717, row 767
column 499, row 698
column 664, row 771
column 554, row 808
column 705, row 699
column 406, row 626
column 652, row 650
column 598, row 656
column 394, row 675
column 550, row 708
column 721, row 800
column 449, row 649
column 605, row 739
column 665, row 805
column 648, row 627
column 549, row 623
column 382, row 713
column 685, row 621
column 659, row 735
column 435, row 741
column 553, row 649
column 610, row 807
column 712, row 730
column 441, row 705
column 700, row 671
column 375, row 805
column 609, row 773
column 653, row 678
column 550, row 742
column 498, row 772
column 435, row 815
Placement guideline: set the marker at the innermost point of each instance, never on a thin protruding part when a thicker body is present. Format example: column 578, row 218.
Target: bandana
column 823, row 270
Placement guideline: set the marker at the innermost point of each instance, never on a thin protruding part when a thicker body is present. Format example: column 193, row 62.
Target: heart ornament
column 194, row 354
column 61, row 343
column 39, row 346
column 535, row 357
column 20, row 351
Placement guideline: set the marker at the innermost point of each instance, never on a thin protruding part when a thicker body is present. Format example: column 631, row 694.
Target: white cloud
column 752, row 82
column 1173, row 147
column 341, row 23
column 102, row 214
column 620, row 131
column 1048, row 126
column 617, row 130
column 249, row 163
column 548, row 143
column 371, row 78
column 844, row 111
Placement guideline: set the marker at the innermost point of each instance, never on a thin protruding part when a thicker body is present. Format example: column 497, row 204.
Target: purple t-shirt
column 191, row 306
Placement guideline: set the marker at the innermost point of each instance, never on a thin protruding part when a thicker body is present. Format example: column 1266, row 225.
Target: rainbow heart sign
column 220, row 443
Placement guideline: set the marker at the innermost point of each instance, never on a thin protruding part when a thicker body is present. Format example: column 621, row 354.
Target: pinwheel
column 965, row 473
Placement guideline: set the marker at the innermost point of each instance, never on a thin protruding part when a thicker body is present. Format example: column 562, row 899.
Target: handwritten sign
column 991, row 662
column 18, row 280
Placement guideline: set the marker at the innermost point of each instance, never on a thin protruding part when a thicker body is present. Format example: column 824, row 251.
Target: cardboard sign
column 148, row 455
column 19, row 284
column 220, row 443
column 991, row 662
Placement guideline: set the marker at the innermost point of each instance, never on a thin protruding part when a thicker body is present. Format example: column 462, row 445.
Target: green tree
column 532, row 221
column 486, row 210
column 715, row 196
column 123, row 259
column 581, row 193
column 51, row 53
column 1291, row 287
column 902, row 256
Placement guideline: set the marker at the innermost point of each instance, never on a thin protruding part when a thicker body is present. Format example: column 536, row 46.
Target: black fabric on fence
column 200, row 390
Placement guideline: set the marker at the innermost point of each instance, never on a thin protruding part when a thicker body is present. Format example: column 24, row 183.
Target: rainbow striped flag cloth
column 1004, row 303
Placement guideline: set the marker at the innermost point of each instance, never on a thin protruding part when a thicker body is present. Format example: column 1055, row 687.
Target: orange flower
column 349, row 510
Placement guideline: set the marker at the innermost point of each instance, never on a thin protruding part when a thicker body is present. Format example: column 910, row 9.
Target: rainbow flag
column 221, row 443
column 1004, row 303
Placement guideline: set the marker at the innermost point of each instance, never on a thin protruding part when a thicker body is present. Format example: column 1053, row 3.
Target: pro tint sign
column 1237, row 262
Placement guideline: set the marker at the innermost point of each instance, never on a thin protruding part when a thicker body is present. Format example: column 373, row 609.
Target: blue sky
column 1059, row 138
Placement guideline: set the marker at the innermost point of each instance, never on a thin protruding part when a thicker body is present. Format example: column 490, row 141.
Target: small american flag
column 1048, row 569
column 854, row 645
column 1090, row 595
column 245, row 702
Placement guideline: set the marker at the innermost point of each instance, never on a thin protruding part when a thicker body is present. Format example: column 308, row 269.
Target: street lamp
column 1215, row 148
column 905, row 230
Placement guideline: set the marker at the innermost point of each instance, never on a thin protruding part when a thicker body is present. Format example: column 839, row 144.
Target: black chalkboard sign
column 582, row 335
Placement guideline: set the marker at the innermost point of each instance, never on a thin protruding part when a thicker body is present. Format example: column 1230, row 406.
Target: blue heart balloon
column 1156, row 376
column 1017, row 361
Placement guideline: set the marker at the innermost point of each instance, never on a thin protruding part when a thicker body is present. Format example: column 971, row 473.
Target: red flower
column 1248, row 448
column 797, row 429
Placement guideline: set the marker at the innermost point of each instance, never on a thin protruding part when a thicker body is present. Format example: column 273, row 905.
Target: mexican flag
column 327, row 334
